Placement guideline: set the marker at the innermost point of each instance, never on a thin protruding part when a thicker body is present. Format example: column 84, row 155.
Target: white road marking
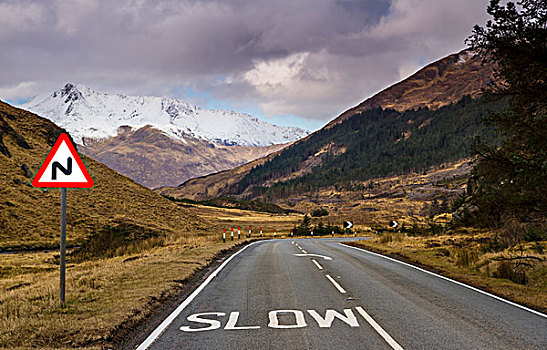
column 232, row 321
column 159, row 330
column 348, row 317
column 213, row 324
column 379, row 329
column 330, row 315
column 317, row 255
column 450, row 280
column 339, row 287
column 298, row 315
column 305, row 252
column 317, row 264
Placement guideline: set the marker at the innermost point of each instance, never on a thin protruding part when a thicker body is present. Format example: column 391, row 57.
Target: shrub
column 390, row 237
column 506, row 271
column 319, row 212
column 466, row 257
column 116, row 241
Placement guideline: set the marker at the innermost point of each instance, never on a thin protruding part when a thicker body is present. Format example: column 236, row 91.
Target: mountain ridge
column 87, row 113
column 159, row 141
column 153, row 159
column 443, row 80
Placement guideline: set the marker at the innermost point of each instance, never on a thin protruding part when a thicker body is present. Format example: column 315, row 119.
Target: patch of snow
column 86, row 113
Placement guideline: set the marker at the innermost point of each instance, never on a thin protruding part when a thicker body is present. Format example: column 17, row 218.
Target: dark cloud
column 308, row 57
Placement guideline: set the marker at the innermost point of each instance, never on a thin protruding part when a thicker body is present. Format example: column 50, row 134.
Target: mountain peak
column 86, row 113
column 69, row 92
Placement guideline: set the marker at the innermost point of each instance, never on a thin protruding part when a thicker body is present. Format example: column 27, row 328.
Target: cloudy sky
column 291, row 62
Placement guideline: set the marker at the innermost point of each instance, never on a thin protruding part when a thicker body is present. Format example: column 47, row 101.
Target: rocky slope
column 153, row 159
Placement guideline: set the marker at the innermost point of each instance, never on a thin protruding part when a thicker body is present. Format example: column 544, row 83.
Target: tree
column 511, row 176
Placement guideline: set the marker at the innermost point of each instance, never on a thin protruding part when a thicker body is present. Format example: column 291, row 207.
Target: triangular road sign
column 63, row 167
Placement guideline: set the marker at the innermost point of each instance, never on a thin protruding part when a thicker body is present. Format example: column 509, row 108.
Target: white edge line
column 317, row 264
column 339, row 287
column 379, row 329
column 159, row 330
column 451, row 280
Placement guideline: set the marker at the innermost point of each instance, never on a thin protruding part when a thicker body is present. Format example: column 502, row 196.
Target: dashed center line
column 305, row 252
column 339, row 287
column 317, row 264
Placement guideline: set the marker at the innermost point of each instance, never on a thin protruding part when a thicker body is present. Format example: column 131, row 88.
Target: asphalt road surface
column 320, row 294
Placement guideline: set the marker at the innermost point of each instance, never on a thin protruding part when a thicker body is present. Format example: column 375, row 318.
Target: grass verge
column 103, row 294
column 465, row 259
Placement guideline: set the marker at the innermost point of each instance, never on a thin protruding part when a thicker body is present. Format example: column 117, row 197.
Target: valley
column 210, row 228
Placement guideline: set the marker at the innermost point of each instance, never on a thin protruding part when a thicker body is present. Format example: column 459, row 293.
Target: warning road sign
column 63, row 167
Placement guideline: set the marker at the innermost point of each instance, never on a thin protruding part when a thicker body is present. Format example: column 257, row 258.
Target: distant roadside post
column 249, row 231
column 238, row 232
column 348, row 225
column 63, row 169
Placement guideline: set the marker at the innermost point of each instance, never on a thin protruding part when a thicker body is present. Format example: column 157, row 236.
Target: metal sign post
column 62, row 260
column 63, row 169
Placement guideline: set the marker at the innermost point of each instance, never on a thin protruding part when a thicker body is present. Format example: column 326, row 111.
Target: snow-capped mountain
column 86, row 113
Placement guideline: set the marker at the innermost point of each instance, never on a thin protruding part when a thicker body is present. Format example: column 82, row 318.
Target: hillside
column 382, row 136
column 153, row 159
column 29, row 217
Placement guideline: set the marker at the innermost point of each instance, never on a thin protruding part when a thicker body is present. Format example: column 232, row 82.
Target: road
column 320, row 294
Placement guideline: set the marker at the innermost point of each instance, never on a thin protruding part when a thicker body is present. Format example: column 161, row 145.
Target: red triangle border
column 63, row 138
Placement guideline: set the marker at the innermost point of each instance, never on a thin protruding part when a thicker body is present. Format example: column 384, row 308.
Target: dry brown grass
column 464, row 258
column 230, row 217
column 101, row 294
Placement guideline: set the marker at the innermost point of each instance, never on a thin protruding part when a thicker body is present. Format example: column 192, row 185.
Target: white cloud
column 22, row 90
column 308, row 58
column 267, row 75
column 20, row 16
column 71, row 14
